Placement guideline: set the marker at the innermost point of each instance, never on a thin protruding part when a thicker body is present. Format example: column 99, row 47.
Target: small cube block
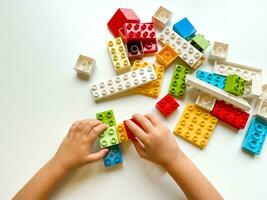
column 108, row 137
column 161, row 18
column 121, row 132
column 234, row 84
column 166, row 56
column 211, row 78
column 106, row 117
column 219, row 51
column 200, row 43
column 184, row 28
column 113, row 157
column 85, row 66
column 135, row 49
column 167, row 105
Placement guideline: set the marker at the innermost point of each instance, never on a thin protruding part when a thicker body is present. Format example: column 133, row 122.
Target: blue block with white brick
column 184, row 28
column 211, row 78
column 113, row 157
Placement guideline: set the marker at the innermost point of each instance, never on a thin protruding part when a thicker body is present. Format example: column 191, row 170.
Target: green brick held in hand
column 108, row 137
column 107, row 117
column 200, row 43
column 235, row 85
column 177, row 84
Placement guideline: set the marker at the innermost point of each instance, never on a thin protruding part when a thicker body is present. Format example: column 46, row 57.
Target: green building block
column 177, row 84
column 108, row 137
column 234, row 84
column 107, row 117
column 200, row 43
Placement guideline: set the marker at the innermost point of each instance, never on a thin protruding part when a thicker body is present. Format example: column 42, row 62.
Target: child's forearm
column 191, row 180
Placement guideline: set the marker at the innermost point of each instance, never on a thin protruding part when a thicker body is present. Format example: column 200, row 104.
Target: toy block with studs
column 121, row 132
column 128, row 131
column 177, row 85
column 113, row 157
column 184, row 28
column 206, row 101
column 161, row 18
column 167, row 105
column 219, row 51
column 108, row 137
column 106, row 117
column 234, row 84
column 196, row 125
column 150, row 46
column 200, row 43
column 85, row 66
column 166, row 56
column 135, row 49
column 213, row 79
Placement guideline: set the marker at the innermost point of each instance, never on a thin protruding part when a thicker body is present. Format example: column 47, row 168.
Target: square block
column 150, row 46
column 108, row 137
column 85, row 66
column 184, row 28
column 113, row 157
column 167, row 105
column 234, row 84
column 219, row 51
column 200, row 43
column 161, row 17
column 135, row 49
column 121, row 132
column 206, row 101
column 210, row 78
column 166, row 56
column 128, row 131
column 106, row 117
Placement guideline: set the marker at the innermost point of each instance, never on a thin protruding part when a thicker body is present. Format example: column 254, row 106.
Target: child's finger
column 154, row 120
column 96, row 156
column 89, row 125
column 139, row 148
column 72, row 128
column 96, row 131
column 146, row 124
column 137, row 131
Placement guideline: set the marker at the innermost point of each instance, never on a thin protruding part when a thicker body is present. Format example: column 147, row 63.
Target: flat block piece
column 161, row 17
column 219, row 51
column 166, row 55
column 121, row 16
column 121, row 132
column 255, row 136
column 196, row 125
column 139, row 31
column 262, row 109
column 108, row 137
column 228, row 68
column 85, row 66
column 200, row 43
column 186, row 52
column 205, row 101
column 113, row 157
column 135, row 49
column 177, row 85
column 122, row 83
column 184, row 28
column 213, row 79
column 150, row 46
column 234, row 84
column 118, row 55
column 106, row 117
column 167, row 105
column 217, row 92
column 230, row 115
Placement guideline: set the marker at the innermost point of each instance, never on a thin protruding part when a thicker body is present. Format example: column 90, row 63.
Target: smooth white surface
column 41, row 96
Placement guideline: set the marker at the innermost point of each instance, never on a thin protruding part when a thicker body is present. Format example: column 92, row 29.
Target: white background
column 41, row 96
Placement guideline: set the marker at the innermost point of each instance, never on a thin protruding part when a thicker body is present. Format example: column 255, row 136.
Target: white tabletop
column 41, row 96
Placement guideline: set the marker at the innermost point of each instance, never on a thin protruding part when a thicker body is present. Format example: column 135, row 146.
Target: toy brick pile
column 223, row 94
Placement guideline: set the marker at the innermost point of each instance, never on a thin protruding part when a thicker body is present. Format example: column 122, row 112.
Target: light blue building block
column 211, row 78
column 184, row 28
column 113, row 157
column 255, row 136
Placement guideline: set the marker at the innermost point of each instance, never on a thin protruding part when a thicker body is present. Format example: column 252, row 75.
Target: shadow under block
column 113, row 157
column 106, row 117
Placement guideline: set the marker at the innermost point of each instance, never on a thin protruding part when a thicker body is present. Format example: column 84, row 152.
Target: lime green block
column 200, row 42
column 108, row 137
column 107, row 117
column 234, row 84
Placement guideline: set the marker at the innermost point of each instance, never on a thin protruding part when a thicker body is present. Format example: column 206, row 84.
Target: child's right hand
column 155, row 142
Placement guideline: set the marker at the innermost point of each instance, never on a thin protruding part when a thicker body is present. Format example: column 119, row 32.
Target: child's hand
column 155, row 142
column 75, row 150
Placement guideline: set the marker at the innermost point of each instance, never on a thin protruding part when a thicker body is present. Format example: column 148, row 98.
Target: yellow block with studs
column 121, row 133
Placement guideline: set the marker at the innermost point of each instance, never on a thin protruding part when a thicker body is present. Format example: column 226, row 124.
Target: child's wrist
column 177, row 160
column 59, row 168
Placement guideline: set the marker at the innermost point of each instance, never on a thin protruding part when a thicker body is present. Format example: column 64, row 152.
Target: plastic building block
column 167, row 105
column 118, row 55
column 217, row 92
column 121, row 16
column 235, row 85
column 177, row 84
column 121, row 132
column 196, row 125
column 253, row 88
column 106, row 117
column 113, row 157
column 161, row 18
column 184, row 28
column 150, row 46
column 264, row 91
column 255, row 136
column 219, row 51
column 205, row 101
column 135, row 49
column 228, row 68
column 186, row 52
column 200, row 43
column 122, row 83
column 122, row 34
column 213, row 79
column 262, row 109
column 128, row 131
column 108, row 137
column 85, row 66
column 230, row 115
column 166, row 55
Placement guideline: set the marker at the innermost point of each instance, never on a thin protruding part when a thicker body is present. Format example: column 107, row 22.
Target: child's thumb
column 96, row 156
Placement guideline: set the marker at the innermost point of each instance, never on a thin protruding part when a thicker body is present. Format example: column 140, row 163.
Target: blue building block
column 255, row 136
column 211, row 78
column 184, row 28
column 113, row 157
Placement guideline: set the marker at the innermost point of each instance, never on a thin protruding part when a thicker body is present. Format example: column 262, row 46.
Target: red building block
column 150, row 46
column 135, row 49
column 167, row 105
column 139, row 31
column 128, row 131
column 121, row 16
column 230, row 115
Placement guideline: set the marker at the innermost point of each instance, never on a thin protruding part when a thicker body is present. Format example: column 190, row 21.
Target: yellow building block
column 121, row 132
column 196, row 125
column 166, row 55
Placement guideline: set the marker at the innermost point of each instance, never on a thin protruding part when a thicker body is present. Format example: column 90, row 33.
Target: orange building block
column 121, row 133
column 166, row 55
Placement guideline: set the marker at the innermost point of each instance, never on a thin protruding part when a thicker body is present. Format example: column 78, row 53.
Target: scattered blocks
column 235, row 85
column 262, row 109
column 255, row 136
column 167, row 105
column 200, row 43
column 106, row 117
column 121, row 132
column 205, row 101
column 135, row 49
column 166, row 56
column 213, row 79
column 85, row 66
column 196, row 125
column 161, row 17
column 219, row 51
column 184, row 28
column 113, row 157
column 108, row 137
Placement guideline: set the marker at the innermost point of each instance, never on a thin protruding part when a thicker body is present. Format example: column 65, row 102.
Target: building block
column 196, row 125
column 253, row 88
column 161, row 18
column 121, row 16
column 128, row 131
column 166, row 56
column 186, row 52
column 121, row 132
column 108, row 137
column 219, row 51
column 255, row 136
column 177, row 85
column 264, row 91
column 106, row 117
column 113, row 157
column 184, row 28
column 85, row 66
column 200, row 43
column 230, row 115
column 150, row 46
column 135, row 49
column 118, row 55
column 262, row 109
column 205, row 101
column 167, row 105
column 123, row 83
column 234, row 84
column 217, row 92
column 213, row 79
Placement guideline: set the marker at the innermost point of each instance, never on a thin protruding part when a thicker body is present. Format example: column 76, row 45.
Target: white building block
column 219, row 51
column 122, row 83
column 262, row 109
column 205, row 101
column 217, row 92
column 85, row 66
column 161, row 17
column 188, row 53
column 253, row 88
column 264, row 92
